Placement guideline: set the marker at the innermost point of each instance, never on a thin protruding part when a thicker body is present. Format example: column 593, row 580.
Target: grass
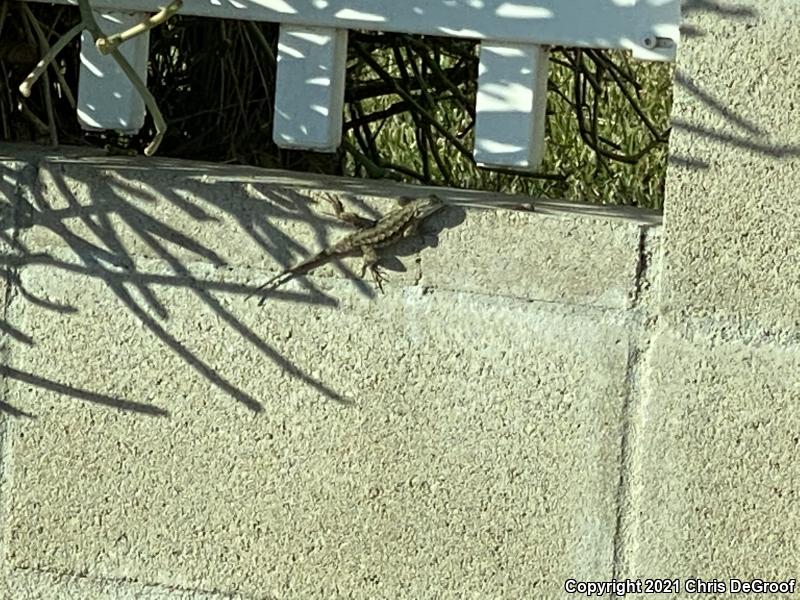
column 571, row 169
column 409, row 107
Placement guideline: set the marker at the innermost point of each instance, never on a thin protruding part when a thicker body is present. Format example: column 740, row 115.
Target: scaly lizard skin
column 392, row 227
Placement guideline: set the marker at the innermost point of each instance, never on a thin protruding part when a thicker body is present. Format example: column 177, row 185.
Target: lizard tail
column 266, row 286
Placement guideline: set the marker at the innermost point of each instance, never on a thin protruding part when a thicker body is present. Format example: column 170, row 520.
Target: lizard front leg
column 347, row 216
column 371, row 263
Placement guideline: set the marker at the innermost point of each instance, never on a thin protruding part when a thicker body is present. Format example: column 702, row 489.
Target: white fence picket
column 514, row 35
column 106, row 97
column 309, row 92
column 510, row 106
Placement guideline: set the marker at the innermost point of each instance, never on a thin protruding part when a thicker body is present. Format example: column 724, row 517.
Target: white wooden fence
column 514, row 38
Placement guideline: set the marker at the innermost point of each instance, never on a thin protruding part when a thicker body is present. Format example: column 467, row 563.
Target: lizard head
column 424, row 207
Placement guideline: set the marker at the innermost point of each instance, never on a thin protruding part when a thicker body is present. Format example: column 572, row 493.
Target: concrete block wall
column 336, row 442
column 579, row 392
column 713, row 473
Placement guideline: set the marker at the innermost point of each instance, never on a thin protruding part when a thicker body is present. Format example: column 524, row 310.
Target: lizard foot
column 378, row 276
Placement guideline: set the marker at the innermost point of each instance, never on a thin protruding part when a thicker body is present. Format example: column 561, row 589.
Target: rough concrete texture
column 430, row 442
column 513, row 412
column 581, row 261
column 17, row 180
column 451, row 459
column 731, row 215
column 715, row 477
column 256, row 217
column 37, row 585
column 710, row 469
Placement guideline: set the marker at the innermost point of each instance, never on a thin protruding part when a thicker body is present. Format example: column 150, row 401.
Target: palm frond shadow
column 93, row 233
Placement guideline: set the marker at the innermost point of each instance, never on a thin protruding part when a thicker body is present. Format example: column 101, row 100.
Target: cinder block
column 17, row 180
column 38, row 585
column 714, row 474
column 111, row 213
column 571, row 260
column 421, row 444
column 732, row 224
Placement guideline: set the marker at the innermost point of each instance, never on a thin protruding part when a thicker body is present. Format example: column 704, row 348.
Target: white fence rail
column 514, row 37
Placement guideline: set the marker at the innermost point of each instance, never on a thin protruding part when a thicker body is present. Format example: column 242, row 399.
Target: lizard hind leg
column 371, row 263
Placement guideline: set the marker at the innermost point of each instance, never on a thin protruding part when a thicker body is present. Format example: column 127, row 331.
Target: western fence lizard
column 390, row 228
